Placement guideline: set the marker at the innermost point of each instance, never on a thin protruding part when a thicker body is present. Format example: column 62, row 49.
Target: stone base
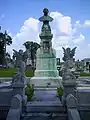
column 69, row 88
column 69, row 83
column 46, row 73
column 46, row 81
column 18, row 88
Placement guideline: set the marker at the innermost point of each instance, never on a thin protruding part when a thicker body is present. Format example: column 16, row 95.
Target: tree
column 5, row 39
column 31, row 48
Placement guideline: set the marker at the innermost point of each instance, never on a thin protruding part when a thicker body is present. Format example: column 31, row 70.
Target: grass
column 9, row 72
column 84, row 74
column 29, row 73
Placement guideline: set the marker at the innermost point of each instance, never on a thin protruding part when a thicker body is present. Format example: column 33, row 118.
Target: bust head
column 45, row 11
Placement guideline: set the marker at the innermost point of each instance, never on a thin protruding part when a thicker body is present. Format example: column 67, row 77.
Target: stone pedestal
column 69, row 79
column 69, row 88
column 19, row 87
column 52, row 82
column 46, row 73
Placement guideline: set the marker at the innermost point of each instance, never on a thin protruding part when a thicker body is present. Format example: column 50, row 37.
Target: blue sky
column 14, row 13
column 17, row 11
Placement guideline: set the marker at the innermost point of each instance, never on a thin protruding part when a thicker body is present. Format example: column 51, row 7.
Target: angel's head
column 68, row 49
column 21, row 51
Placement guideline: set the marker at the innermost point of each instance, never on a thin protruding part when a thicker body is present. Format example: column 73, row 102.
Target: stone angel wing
column 64, row 50
column 73, row 52
column 64, row 57
column 15, row 52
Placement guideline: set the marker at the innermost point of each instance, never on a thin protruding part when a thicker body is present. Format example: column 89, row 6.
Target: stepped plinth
column 46, row 73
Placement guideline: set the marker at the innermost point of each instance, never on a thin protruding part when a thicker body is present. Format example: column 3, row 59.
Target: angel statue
column 20, row 63
column 68, row 70
column 68, row 53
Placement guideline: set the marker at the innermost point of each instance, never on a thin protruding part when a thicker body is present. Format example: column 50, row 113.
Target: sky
column 70, row 27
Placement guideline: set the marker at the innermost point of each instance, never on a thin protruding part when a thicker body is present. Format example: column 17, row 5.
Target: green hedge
column 9, row 72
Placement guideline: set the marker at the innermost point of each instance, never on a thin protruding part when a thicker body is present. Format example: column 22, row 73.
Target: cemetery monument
column 46, row 73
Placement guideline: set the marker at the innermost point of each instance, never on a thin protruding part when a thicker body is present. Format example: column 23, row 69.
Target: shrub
column 59, row 91
column 29, row 91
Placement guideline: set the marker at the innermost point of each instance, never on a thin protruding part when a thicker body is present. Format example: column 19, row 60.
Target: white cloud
column 79, row 39
column 78, row 24
column 61, row 23
column 86, row 23
column 29, row 31
column 83, row 51
column 64, row 34
column 56, row 15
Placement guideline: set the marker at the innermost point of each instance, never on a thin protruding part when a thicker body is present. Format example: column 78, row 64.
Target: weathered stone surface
column 6, row 96
column 46, row 94
column 5, row 101
column 42, row 107
column 68, row 76
column 83, row 95
column 68, row 54
column 16, row 102
column 71, row 101
column 14, row 114
column 20, row 58
column 46, row 81
column 69, row 89
column 68, row 70
column 16, row 108
column 73, row 114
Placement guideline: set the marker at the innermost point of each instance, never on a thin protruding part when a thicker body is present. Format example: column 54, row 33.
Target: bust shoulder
column 45, row 18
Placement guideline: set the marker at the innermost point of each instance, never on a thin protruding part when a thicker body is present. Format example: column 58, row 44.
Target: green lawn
column 9, row 72
column 84, row 74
